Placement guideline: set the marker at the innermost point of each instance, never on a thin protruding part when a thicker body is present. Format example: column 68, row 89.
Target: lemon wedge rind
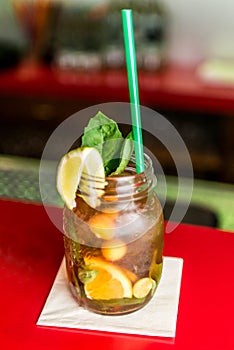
column 75, row 170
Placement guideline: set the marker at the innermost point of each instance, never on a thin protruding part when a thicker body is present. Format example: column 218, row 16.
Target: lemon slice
column 83, row 168
column 142, row 287
column 110, row 282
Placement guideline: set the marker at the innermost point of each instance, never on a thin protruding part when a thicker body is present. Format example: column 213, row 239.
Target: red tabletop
column 31, row 250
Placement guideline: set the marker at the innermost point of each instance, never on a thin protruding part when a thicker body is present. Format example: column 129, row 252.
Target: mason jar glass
column 114, row 242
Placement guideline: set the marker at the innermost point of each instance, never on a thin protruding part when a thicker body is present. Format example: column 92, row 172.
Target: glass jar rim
column 122, row 187
column 148, row 164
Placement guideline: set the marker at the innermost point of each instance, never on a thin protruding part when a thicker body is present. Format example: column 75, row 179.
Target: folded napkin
column 157, row 318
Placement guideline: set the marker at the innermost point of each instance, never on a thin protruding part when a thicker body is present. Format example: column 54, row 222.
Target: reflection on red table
column 31, row 250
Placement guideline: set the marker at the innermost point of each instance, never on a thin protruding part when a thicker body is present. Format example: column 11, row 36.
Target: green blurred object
column 19, row 180
column 217, row 71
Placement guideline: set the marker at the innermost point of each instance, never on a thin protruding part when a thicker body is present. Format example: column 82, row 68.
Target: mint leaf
column 111, row 166
column 125, row 154
column 103, row 133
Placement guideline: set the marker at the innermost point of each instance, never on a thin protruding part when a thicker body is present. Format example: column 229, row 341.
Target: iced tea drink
column 114, row 250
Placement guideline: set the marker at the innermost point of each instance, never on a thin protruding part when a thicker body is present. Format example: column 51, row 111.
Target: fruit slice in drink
column 85, row 160
column 110, row 281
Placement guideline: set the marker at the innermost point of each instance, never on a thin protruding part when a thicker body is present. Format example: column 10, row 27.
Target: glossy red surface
column 175, row 87
column 31, row 250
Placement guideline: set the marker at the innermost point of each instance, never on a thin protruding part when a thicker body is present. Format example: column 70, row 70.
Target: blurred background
column 196, row 30
column 57, row 57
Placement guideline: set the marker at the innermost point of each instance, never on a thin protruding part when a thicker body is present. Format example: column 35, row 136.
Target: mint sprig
column 103, row 134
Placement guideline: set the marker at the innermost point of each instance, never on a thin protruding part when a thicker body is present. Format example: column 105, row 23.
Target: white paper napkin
column 157, row 318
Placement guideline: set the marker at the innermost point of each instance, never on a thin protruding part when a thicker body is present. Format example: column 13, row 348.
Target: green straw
column 130, row 53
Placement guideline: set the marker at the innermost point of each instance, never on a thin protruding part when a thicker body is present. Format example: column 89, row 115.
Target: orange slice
column 142, row 287
column 109, row 283
column 103, row 225
column 114, row 249
column 131, row 275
